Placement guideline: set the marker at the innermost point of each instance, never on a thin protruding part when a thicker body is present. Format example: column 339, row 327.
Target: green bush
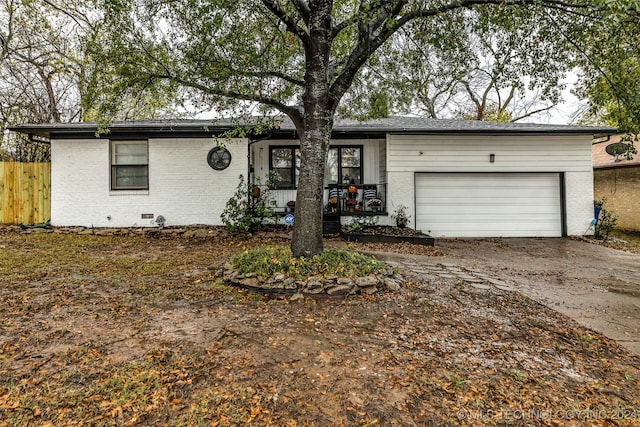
column 246, row 213
column 606, row 221
column 273, row 260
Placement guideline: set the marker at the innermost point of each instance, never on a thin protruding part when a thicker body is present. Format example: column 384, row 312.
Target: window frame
column 292, row 149
column 113, row 166
column 340, row 167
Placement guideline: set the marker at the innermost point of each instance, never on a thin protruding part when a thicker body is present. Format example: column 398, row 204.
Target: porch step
column 330, row 226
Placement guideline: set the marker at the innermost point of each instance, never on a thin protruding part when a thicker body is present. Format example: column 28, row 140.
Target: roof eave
column 616, row 166
column 89, row 130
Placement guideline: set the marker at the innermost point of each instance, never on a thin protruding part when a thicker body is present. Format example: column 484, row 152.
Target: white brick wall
column 579, row 196
column 185, row 190
column 182, row 186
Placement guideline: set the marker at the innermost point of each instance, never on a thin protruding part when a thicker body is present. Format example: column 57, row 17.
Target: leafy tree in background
column 488, row 64
column 611, row 72
column 48, row 73
column 303, row 58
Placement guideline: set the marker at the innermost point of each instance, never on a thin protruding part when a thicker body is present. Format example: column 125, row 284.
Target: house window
column 344, row 165
column 285, row 162
column 129, row 165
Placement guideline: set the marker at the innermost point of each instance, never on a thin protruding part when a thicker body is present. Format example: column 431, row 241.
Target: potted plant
column 401, row 217
column 291, row 205
column 351, row 204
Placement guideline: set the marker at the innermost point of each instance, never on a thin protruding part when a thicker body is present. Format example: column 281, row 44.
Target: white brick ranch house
column 456, row 178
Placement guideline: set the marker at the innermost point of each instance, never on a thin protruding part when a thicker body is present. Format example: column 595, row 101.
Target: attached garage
column 481, row 179
column 489, row 204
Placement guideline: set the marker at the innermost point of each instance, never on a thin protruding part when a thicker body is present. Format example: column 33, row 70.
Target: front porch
column 355, row 176
column 338, row 199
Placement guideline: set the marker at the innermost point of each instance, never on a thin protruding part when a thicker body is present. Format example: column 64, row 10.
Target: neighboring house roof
column 342, row 128
column 603, row 160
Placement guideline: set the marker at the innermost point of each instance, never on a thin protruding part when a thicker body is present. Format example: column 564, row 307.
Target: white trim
column 128, row 192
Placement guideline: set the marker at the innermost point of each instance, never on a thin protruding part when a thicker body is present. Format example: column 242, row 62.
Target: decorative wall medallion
column 219, row 158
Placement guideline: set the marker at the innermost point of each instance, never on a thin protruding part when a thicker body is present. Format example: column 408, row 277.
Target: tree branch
column 293, row 112
column 505, row 104
column 85, row 20
column 474, row 99
column 291, row 24
column 531, row 113
column 303, row 9
column 6, row 39
column 391, row 20
column 367, row 44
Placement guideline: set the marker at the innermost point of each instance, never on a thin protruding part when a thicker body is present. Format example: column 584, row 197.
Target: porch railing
column 341, row 199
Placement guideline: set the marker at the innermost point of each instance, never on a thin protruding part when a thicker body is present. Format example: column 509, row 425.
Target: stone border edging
column 315, row 286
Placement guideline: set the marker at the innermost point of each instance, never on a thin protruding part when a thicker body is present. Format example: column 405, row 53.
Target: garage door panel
column 480, row 216
column 490, row 193
column 495, row 230
column 488, row 205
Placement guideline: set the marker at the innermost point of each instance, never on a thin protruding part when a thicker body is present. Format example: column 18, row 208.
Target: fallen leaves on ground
column 131, row 330
column 398, row 248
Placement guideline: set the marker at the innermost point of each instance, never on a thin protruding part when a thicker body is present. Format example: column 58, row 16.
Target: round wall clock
column 219, row 158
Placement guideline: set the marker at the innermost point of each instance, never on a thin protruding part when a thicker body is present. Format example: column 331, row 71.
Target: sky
column 565, row 112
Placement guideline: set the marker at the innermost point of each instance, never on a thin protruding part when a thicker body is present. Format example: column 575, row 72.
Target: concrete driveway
column 597, row 286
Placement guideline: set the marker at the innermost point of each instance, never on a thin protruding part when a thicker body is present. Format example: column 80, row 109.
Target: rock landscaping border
column 191, row 231
column 333, row 286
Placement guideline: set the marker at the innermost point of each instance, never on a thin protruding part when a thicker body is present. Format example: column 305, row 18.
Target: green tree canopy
column 485, row 64
column 48, row 72
column 303, row 58
column 610, row 61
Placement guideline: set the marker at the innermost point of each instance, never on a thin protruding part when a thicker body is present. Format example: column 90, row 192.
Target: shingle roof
column 409, row 125
column 417, row 124
column 603, row 160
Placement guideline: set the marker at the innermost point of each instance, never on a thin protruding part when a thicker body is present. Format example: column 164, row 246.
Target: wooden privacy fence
column 25, row 196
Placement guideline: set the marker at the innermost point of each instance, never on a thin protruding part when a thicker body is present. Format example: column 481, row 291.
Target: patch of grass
column 517, row 375
column 134, row 388
column 457, row 382
column 587, row 339
column 153, row 267
column 272, row 260
column 126, row 394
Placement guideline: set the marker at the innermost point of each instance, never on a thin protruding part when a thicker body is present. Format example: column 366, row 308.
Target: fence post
column 3, row 193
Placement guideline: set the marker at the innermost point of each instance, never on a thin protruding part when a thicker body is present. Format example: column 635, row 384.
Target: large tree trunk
column 315, row 137
column 314, row 144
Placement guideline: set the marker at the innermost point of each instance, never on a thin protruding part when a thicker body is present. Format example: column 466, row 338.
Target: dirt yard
column 136, row 330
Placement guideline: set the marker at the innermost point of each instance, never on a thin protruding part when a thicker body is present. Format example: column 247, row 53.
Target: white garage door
column 488, row 204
